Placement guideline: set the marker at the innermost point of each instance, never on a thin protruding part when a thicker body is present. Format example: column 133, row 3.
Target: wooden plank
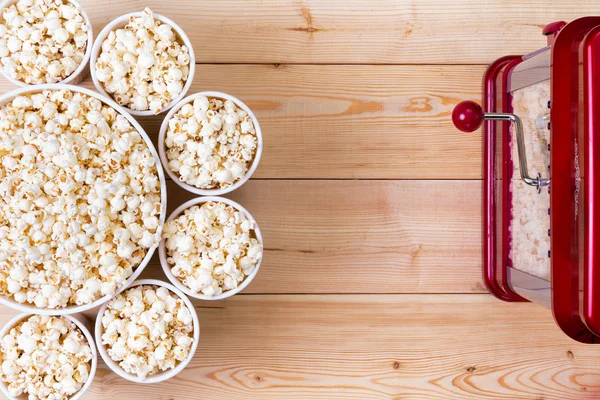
column 450, row 347
column 362, row 236
column 356, row 31
column 339, row 122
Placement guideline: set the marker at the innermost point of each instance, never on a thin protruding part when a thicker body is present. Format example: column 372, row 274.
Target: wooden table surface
column 370, row 205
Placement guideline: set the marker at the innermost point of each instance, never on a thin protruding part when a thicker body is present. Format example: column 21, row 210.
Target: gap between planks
column 300, row 64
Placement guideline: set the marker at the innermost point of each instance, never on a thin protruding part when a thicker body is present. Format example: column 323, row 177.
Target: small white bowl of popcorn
column 44, row 42
column 210, row 143
column 212, row 248
column 46, row 357
column 144, row 61
column 148, row 333
column 82, row 199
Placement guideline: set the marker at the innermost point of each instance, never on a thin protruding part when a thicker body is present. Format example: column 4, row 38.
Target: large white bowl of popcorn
column 82, row 199
column 144, row 61
column 44, row 41
column 212, row 248
column 210, row 143
column 148, row 333
column 46, row 357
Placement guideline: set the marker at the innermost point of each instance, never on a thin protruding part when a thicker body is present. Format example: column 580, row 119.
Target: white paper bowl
column 163, row 196
column 162, row 150
column 82, row 326
column 162, row 250
column 161, row 376
column 79, row 74
column 120, row 22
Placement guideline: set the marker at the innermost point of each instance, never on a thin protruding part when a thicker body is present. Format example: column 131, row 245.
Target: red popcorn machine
column 541, row 152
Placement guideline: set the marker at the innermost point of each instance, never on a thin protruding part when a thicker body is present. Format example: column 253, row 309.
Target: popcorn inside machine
column 541, row 223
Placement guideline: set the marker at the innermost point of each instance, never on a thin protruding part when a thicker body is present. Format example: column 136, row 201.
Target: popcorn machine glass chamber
column 541, row 222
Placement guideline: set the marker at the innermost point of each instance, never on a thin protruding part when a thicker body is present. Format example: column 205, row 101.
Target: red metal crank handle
column 468, row 116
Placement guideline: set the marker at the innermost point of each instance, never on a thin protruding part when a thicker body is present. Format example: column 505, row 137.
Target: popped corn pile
column 210, row 143
column 530, row 225
column 45, row 358
column 79, row 199
column 42, row 41
column 143, row 66
column 212, row 248
column 147, row 329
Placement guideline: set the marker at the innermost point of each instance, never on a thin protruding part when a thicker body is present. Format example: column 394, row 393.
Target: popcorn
column 42, row 41
column 143, row 65
column 210, row 143
column 45, row 357
column 74, row 224
column 212, row 248
column 530, row 223
column 147, row 329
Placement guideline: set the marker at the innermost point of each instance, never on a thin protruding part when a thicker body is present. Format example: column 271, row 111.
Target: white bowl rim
column 162, row 251
column 86, row 57
column 114, row 24
column 162, row 151
column 163, row 199
column 161, row 376
column 88, row 336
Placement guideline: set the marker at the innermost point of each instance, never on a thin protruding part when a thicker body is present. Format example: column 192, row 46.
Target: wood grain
column 450, row 347
column 362, row 236
column 342, row 122
column 355, row 31
column 369, row 201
